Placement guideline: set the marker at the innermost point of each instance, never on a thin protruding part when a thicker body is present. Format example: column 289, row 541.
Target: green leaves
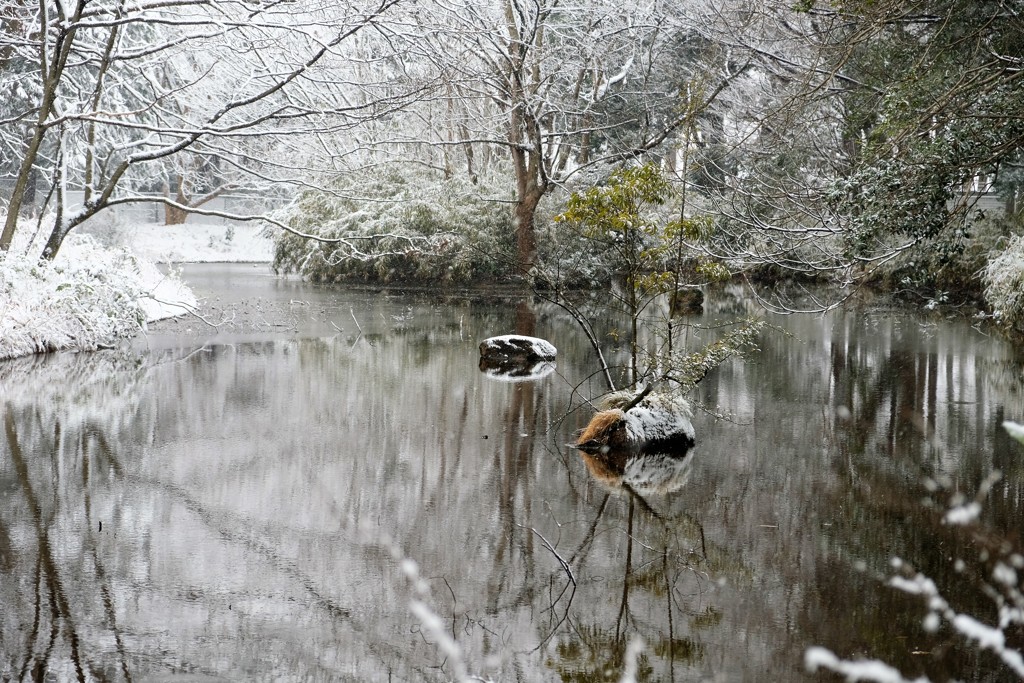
column 618, row 206
column 935, row 105
column 621, row 214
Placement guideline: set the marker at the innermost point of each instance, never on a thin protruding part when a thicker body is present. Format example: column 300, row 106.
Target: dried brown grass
column 600, row 426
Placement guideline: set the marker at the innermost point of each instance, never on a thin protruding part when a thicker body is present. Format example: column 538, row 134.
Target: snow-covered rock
column 517, row 358
column 517, row 347
column 658, row 423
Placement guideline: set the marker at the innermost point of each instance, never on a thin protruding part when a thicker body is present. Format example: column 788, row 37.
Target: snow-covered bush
column 107, row 228
column 90, row 297
column 400, row 225
column 1004, row 283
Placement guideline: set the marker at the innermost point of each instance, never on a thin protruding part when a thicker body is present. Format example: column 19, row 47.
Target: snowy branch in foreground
column 1015, row 430
column 1003, row 588
column 986, row 637
column 860, row 670
column 419, row 604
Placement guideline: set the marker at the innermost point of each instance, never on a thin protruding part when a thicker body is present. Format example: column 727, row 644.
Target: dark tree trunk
column 55, row 240
column 25, row 175
column 526, row 234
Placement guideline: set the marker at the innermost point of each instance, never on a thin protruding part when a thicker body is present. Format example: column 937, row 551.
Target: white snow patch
column 434, row 627
column 658, row 422
column 93, row 295
column 963, row 514
column 541, row 348
column 987, row 637
column 199, row 243
column 1005, row 575
column 1015, row 430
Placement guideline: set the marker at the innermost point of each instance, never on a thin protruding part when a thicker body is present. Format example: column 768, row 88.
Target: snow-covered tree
column 562, row 88
column 864, row 122
column 115, row 98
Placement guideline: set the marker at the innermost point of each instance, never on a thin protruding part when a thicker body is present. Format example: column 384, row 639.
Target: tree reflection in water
column 598, row 649
column 50, row 622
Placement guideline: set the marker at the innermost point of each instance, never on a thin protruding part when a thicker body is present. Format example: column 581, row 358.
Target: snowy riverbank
column 197, row 243
column 94, row 295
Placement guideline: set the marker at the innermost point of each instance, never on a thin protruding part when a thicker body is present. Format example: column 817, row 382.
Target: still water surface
column 285, row 496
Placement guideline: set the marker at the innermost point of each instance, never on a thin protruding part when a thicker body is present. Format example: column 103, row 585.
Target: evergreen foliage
column 648, row 251
column 396, row 225
column 932, row 99
column 637, row 240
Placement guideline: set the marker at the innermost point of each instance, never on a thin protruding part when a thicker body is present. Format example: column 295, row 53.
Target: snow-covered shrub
column 407, row 226
column 107, row 228
column 399, row 225
column 90, row 297
column 1004, row 283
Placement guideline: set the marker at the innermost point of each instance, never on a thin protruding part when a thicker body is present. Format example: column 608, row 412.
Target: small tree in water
column 647, row 252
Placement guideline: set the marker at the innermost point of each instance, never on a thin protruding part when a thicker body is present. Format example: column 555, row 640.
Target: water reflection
column 243, row 509
column 662, row 564
column 644, row 473
column 516, row 372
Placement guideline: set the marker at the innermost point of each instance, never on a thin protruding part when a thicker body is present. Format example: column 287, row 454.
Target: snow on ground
column 96, row 294
column 198, row 243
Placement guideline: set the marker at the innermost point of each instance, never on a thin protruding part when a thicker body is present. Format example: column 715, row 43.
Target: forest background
column 848, row 142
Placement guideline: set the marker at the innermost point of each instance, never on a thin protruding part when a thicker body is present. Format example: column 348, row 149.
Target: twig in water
column 454, row 602
column 572, row 581
column 202, row 349
column 565, row 565
column 358, row 326
column 194, row 312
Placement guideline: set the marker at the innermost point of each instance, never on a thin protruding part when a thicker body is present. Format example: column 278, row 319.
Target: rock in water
column 647, row 448
column 517, row 348
column 515, row 358
column 659, row 423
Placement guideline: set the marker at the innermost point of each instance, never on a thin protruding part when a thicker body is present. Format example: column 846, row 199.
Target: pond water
column 326, row 487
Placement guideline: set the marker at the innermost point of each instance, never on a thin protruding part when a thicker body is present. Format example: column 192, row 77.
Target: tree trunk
column 61, row 227
column 529, row 190
column 56, row 239
column 174, row 215
column 28, row 207
column 25, row 175
column 53, row 71
column 526, row 234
